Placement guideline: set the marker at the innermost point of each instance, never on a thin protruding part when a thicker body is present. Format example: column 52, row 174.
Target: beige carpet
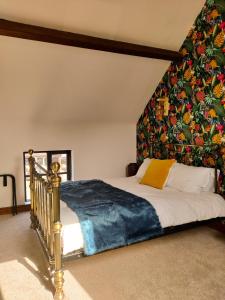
column 185, row 265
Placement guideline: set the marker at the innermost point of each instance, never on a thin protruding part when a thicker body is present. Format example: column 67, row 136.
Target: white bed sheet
column 172, row 207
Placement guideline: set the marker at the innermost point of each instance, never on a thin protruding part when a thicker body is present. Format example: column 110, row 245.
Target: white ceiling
column 47, row 82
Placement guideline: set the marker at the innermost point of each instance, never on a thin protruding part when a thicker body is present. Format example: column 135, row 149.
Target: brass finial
column 30, row 151
column 55, row 166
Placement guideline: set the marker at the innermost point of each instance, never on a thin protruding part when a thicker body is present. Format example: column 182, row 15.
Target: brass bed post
column 58, row 272
column 51, row 237
column 31, row 161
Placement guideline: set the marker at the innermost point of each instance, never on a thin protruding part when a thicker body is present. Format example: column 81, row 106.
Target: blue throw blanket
column 109, row 217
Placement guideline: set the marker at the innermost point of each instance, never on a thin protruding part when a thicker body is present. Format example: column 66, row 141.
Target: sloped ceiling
column 54, row 83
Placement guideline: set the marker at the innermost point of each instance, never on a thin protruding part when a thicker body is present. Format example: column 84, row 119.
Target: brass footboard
column 45, row 216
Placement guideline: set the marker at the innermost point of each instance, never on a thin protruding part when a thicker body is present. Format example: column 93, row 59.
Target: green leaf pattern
column 196, row 91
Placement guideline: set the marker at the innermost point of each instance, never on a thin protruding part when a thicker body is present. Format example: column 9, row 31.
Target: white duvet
column 172, row 207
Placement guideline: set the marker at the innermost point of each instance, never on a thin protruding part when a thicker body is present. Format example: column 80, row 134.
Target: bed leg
column 58, row 273
column 58, row 281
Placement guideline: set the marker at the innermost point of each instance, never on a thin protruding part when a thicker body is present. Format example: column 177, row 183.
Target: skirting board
column 20, row 208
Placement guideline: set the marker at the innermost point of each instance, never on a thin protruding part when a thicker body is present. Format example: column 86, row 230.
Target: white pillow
column 211, row 183
column 190, row 179
column 143, row 167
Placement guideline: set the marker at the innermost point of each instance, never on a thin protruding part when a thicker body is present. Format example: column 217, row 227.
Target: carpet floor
column 187, row 265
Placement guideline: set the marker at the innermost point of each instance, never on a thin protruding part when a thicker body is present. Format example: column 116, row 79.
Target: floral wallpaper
column 195, row 90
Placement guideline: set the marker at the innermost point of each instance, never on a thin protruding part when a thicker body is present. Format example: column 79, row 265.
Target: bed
column 172, row 211
column 60, row 228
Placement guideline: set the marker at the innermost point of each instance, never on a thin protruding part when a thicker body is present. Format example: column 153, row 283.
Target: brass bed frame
column 45, row 216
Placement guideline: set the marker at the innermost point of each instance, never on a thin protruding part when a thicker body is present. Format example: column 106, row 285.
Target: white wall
column 57, row 97
column 99, row 150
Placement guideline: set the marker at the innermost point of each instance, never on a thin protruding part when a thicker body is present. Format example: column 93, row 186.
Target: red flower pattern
column 201, row 49
column 195, row 94
column 200, row 95
column 199, row 141
column 173, row 80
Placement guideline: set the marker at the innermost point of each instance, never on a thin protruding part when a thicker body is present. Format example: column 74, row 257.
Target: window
column 45, row 158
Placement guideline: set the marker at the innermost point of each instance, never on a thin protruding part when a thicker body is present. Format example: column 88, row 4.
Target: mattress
column 172, row 207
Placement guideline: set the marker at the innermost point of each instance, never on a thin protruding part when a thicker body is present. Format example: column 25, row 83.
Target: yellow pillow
column 157, row 172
